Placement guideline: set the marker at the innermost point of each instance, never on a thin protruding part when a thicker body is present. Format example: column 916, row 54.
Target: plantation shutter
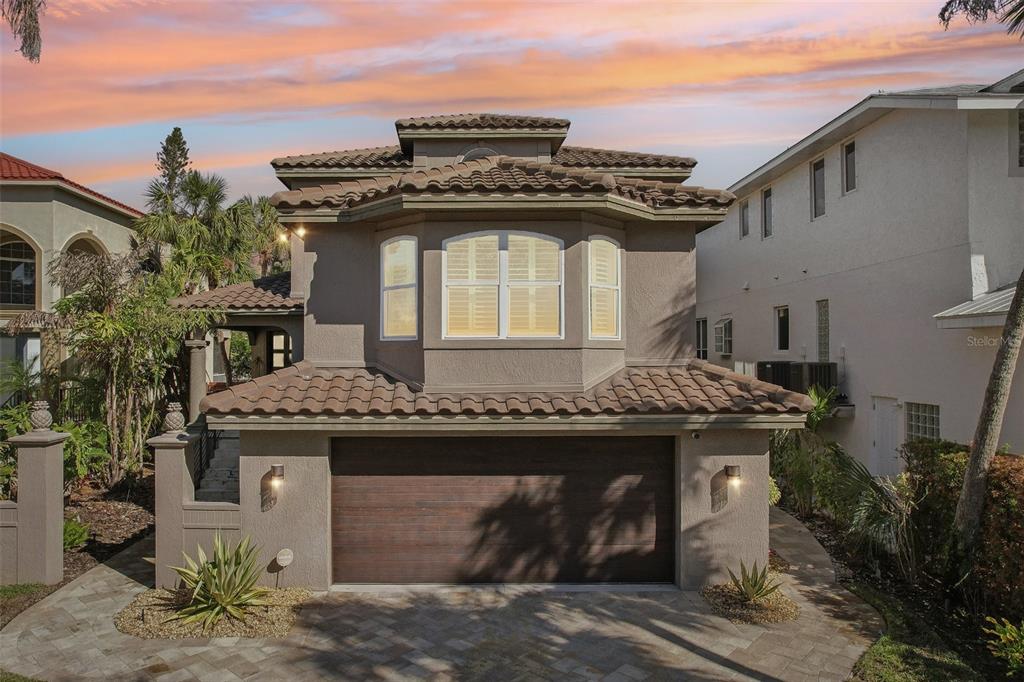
column 472, row 286
column 605, row 289
column 534, row 295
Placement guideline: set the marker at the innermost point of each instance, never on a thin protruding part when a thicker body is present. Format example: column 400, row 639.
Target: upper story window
column 823, row 330
column 605, row 289
column 501, row 285
column 723, row 336
column 818, row 188
column 744, row 218
column 849, row 166
column 398, row 283
column 17, row 271
column 782, row 328
column 702, row 338
column 766, row 213
column 1020, row 139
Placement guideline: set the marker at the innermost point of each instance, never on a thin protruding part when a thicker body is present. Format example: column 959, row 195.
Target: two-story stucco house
column 887, row 242
column 42, row 213
column 494, row 376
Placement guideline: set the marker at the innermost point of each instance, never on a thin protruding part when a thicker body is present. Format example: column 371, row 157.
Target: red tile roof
column 267, row 293
column 694, row 387
column 502, row 175
column 14, row 169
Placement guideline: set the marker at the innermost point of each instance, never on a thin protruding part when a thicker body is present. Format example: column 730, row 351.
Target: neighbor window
column 723, row 337
column 823, row 330
column 818, row 188
column 1020, row 139
column 849, row 166
column 744, row 218
column 398, row 296
column 782, row 328
column 280, row 350
column 502, row 285
column 922, row 421
column 17, row 271
column 605, row 289
column 766, row 213
column 702, row 338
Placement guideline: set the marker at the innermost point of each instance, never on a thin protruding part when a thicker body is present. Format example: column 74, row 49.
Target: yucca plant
column 223, row 585
column 755, row 584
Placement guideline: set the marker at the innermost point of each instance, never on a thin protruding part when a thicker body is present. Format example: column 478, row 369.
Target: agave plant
column 755, row 584
column 224, row 584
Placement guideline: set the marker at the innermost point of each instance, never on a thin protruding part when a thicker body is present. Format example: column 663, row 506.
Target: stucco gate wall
column 719, row 523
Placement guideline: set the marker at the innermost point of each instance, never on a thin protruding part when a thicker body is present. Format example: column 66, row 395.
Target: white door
column 885, row 457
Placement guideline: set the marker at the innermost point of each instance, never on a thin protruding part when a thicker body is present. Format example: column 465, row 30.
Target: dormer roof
column 480, row 126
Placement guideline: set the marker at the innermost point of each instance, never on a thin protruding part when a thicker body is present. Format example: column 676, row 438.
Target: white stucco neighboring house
column 43, row 213
column 888, row 242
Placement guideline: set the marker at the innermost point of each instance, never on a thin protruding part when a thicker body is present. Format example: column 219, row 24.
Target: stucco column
column 40, row 500
column 196, row 375
column 174, row 488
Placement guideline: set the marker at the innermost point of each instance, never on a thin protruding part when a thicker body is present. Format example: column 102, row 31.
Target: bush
column 753, row 585
column 76, row 534
column 774, row 494
column 85, row 451
column 222, row 585
column 935, row 473
column 13, row 421
column 1007, row 643
column 241, row 356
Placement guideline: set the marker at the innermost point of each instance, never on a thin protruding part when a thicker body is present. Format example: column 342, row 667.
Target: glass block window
column 17, row 271
column 823, row 330
column 922, row 421
column 702, row 338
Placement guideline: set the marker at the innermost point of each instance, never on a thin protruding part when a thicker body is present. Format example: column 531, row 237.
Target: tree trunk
column 224, row 344
column 986, row 438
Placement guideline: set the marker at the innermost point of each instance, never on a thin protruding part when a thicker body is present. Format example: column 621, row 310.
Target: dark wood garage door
column 512, row 509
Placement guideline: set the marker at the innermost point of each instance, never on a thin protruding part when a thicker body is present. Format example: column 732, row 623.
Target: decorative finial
column 174, row 420
column 41, row 418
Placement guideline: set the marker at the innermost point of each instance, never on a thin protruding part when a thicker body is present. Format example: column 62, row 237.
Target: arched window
column 398, row 296
column 605, row 289
column 17, row 271
column 479, row 153
column 502, row 284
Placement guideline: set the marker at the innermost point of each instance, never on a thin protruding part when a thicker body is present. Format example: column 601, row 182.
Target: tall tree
column 172, row 162
column 23, row 18
column 986, row 438
column 1009, row 12
column 267, row 230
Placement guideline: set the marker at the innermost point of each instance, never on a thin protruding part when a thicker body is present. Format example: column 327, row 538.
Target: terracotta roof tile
column 371, row 157
column 14, row 169
column 693, row 387
column 267, row 293
column 502, row 175
column 480, row 122
column 592, row 157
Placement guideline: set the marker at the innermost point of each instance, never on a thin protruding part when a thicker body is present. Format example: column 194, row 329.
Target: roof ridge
column 56, row 175
column 388, row 147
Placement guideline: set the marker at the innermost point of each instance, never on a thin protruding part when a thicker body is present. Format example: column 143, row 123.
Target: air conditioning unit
column 803, row 375
column 775, row 372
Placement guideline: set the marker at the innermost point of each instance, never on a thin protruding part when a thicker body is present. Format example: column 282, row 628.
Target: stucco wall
column 887, row 257
column 300, row 519
column 8, row 542
column 721, row 523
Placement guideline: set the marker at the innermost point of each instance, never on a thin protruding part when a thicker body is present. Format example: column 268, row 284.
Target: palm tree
column 23, row 18
column 1009, row 12
column 267, row 227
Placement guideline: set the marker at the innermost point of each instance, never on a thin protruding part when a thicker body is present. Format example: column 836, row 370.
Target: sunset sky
column 730, row 83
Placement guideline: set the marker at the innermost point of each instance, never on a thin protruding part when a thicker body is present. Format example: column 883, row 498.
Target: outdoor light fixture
column 276, row 475
column 301, row 232
column 732, row 472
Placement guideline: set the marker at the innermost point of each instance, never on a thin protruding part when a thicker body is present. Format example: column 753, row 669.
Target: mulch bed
column 116, row 519
column 726, row 601
column 149, row 616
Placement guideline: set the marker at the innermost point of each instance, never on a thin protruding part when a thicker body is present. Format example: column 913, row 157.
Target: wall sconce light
column 732, row 472
column 301, row 232
column 276, row 475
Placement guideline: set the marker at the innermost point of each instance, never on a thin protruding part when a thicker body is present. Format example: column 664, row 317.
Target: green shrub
column 753, row 585
column 76, row 534
column 223, row 585
column 774, row 494
column 13, row 421
column 85, row 451
column 1007, row 643
column 241, row 356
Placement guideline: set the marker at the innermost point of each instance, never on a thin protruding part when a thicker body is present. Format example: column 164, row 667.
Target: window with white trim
column 766, row 213
column 702, row 338
column 501, row 285
column 818, row 188
column 723, row 336
column 744, row 218
column 399, row 302
column 849, row 166
column 922, row 420
column 605, row 289
column 782, row 328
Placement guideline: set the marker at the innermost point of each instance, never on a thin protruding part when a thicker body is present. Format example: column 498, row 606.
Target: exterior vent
column 775, row 372
column 799, row 376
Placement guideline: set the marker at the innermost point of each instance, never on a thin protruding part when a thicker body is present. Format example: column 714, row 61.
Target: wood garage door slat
column 513, row 509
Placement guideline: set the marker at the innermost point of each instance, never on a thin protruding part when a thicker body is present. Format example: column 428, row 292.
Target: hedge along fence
column 936, row 472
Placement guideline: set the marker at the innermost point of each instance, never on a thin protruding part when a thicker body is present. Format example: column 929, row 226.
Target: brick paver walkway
column 471, row 634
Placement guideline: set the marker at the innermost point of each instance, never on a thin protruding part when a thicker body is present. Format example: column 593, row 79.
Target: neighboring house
column 42, row 214
column 494, row 377
column 887, row 242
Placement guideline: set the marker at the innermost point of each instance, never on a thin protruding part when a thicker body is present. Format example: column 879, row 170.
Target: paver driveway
column 477, row 634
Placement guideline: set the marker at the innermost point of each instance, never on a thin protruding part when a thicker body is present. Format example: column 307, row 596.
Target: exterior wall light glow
column 732, row 472
column 301, row 232
column 277, row 475
column 283, row 238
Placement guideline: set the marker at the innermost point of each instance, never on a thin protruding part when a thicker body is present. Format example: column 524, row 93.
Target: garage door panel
column 502, row 509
